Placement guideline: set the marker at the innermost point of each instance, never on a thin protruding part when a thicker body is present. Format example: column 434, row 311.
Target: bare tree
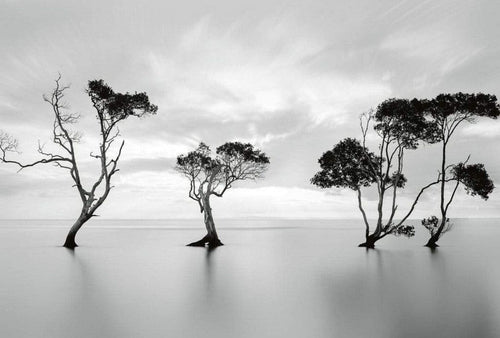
column 207, row 175
column 111, row 108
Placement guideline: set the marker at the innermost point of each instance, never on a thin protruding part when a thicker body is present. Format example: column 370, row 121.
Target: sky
column 292, row 77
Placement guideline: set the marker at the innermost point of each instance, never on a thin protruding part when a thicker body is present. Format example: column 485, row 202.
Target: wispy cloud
column 221, row 74
column 483, row 129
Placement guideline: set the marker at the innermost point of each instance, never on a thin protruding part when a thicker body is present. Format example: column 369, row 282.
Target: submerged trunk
column 211, row 237
column 432, row 242
column 70, row 238
column 370, row 241
column 378, row 233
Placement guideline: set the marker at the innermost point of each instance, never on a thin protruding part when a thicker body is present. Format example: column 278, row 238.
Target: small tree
column 213, row 175
column 111, row 109
column 446, row 112
column 351, row 165
column 475, row 180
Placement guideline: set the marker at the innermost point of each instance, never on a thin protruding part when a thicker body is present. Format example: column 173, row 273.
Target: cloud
column 483, row 129
column 150, row 148
column 292, row 78
column 434, row 49
column 226, row 75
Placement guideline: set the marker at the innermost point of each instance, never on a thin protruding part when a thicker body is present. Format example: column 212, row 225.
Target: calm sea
column 273, row 278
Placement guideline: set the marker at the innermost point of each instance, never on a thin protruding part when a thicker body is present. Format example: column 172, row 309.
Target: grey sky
column 290, row 76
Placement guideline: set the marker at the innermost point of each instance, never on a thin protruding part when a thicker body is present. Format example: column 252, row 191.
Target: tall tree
column 111, row 109
column 446, row 113
column 213, row 175
column 350, row 164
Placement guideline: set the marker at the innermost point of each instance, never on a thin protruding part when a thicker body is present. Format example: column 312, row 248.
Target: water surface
column 273, row 278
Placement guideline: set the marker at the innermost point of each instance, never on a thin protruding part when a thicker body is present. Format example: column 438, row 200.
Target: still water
column 273, row 278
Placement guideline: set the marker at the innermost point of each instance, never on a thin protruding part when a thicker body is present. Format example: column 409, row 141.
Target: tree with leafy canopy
column 446, row 112
column 399, row 127
column 475, row 180
column 111, row 109
column 213, row 175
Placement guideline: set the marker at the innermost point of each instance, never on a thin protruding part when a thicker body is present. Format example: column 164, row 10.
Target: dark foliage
column 446, row 111
column 244, row 151
column 470, row 105
column 119, row 106
column 432, row 224
column 198, row 158
column 400, row 120
column 475, row 178
column 347, row 165
column 398, row 179
column 404, row 230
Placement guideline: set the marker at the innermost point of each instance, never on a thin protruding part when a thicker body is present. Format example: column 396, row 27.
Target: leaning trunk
column 432, row 242
column 211, row 237
column 70, row 238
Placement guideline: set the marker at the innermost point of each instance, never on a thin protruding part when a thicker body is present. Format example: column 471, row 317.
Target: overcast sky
column 290, row 76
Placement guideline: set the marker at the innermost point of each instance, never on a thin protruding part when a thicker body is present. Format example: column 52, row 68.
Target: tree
column 446, row 112
column 350, row 164
column 213, row 175
column 111, row 109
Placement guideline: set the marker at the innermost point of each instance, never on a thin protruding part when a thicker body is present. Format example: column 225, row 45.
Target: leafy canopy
column 347, row 165
column 118, row 106
column 445, row 105
column 197, row 159
column 228, row 153
column 475, row 178
column 447, row 111
column 243, row 151
column 233, row 161
column 399, row 120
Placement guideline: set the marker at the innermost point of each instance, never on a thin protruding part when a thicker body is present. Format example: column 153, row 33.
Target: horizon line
column 222, row 218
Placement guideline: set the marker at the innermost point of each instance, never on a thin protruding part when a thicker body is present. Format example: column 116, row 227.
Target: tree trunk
column 70, row 238
column 443, row 181
column 370, row 241
column 432, row 242
column 211, row 237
